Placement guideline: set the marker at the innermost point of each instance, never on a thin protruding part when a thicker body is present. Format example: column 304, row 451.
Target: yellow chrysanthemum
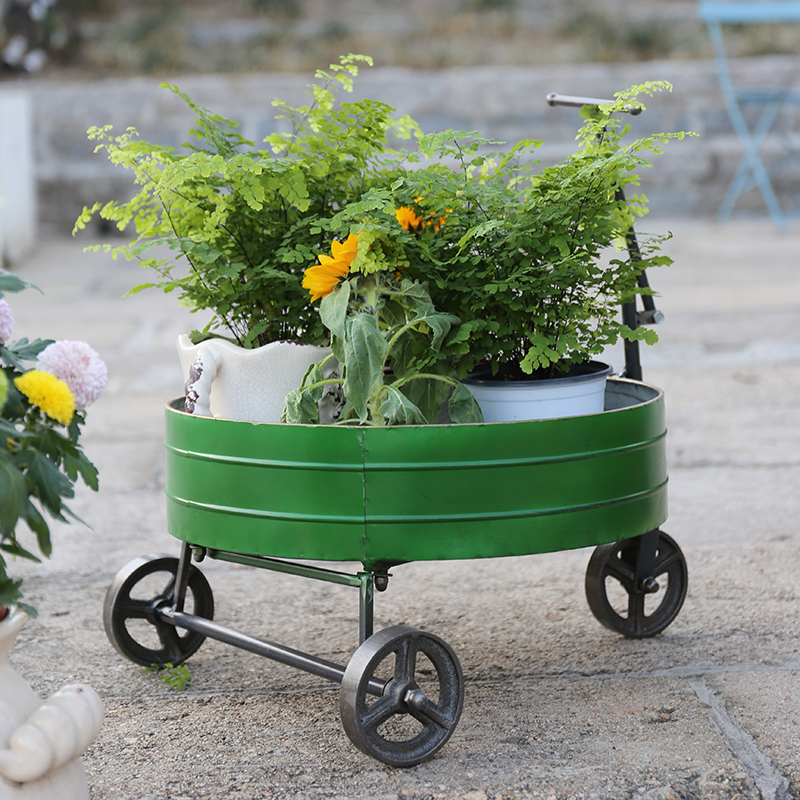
column 322, row 278
column 49, row 393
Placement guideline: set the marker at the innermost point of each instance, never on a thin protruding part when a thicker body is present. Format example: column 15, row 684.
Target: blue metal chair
column 751, row 171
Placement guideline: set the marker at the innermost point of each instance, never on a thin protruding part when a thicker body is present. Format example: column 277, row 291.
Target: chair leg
column 751, row 164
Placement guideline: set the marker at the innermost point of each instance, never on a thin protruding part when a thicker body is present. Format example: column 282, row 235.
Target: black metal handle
column 555, row 99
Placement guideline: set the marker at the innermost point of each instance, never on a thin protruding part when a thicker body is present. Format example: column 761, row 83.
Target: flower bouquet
column 42, row 409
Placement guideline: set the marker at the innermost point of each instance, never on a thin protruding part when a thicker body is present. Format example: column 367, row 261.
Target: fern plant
column 519, row 253
column 239, row 222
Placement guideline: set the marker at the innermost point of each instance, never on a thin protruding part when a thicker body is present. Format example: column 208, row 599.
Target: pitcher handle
column 201, row 376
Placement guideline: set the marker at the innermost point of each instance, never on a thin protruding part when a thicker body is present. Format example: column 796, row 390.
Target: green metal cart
column 281, row 496
column 286, row 497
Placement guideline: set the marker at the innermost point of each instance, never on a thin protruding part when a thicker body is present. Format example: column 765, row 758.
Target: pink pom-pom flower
column 78, row 366
column 6, row 322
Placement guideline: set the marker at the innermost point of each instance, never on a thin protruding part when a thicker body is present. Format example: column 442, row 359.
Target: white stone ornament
column 231, row 382
column 41, row 742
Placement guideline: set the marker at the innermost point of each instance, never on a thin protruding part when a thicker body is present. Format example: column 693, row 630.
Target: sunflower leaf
column 397, row 409
column 333, row 309
column 364, row 354
column 463, row 406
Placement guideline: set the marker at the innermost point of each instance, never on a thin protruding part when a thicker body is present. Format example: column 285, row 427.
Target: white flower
column 78, row 366
column 6, row 322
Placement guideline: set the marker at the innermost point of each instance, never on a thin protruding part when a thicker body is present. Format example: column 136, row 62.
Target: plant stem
column 325, row 382
column 443, row 378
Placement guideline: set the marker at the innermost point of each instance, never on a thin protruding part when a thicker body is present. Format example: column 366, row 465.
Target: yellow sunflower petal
column 346, row 250
column 350, row 248
column 408, row 219
column 321, row 280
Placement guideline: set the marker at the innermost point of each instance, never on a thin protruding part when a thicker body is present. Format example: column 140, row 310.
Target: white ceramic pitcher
column 231, row 382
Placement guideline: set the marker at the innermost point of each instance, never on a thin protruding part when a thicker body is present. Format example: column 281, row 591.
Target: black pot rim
column 580, row 373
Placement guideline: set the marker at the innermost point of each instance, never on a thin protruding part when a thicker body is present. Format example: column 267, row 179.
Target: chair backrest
column 716, row 13
column 749, row 12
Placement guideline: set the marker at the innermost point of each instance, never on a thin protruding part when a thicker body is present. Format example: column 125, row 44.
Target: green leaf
column 11, row 283
column 414, row 292
column 76, row 463
column 49, row 485
column 333, row 309
column 15, row 353
column 364, row 356
column 14, row 494
column 393, row 314
column 640, row 334
column 9, row 431
column 37, row 524
column 9, row 590
column 300, row 408
column 439, row 323
column 397, row 409
column 561, row 243
column 312, row 381
column 428, row 394
column 17, row 550
column 463, row 406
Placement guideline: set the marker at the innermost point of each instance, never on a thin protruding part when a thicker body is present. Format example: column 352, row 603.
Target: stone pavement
column 556, row 705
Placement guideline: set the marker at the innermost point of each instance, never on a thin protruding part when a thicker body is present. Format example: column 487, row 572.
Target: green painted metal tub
column 415, row 493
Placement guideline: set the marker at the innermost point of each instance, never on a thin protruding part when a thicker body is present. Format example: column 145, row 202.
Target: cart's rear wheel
column 421, row 704
column 636, row 606
column 130, row 611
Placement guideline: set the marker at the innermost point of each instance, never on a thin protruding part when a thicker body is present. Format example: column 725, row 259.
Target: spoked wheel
column 635, row 592
column 130, row 611
column 420, row 705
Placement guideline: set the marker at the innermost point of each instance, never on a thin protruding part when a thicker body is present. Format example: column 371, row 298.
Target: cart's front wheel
column 421, row 702
column 633, row 593
column 130, row 611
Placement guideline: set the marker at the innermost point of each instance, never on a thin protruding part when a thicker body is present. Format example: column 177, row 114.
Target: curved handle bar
column 554, row 99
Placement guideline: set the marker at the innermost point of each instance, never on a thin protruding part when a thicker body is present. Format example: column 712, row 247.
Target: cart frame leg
column 366, row 606
column 367, row 581
column 182, row 577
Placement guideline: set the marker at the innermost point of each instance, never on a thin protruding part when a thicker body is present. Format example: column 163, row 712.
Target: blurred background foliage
column 113, row 38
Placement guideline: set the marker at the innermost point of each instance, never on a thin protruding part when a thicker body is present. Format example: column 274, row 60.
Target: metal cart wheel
column 130, row 611
column 635, row 599
column 421, row 702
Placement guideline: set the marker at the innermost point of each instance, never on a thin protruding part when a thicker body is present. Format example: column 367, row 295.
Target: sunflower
column 51, row 394
column 322, row 278
column 409, row 220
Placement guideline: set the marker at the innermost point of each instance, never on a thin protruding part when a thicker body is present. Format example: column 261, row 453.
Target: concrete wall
column 505, row 103
column 17, row 179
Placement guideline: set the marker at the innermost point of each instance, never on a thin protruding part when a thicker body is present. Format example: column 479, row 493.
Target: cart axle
column 276, row 652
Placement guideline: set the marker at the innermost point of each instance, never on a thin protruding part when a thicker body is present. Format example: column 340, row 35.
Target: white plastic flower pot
column 580, row 392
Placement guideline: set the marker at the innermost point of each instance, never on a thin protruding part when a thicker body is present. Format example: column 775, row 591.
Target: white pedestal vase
column 41, row 742
column 581, row 392
column 231, row 382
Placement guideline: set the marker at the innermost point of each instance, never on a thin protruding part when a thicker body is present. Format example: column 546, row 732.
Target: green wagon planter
column 279, row 496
